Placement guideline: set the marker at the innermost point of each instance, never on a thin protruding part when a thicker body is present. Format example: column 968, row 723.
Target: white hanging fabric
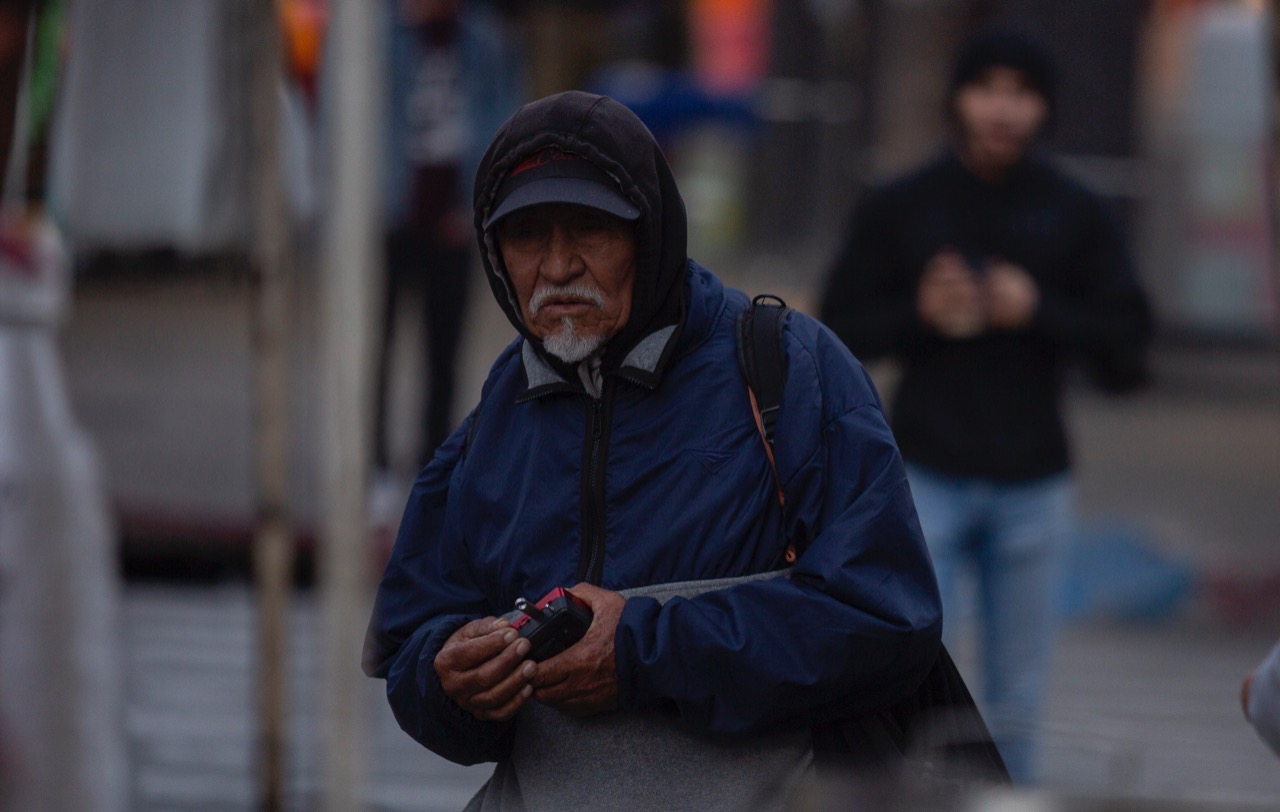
column 62, row 742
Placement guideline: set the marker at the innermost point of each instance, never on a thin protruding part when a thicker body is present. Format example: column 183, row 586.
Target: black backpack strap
column 765, row 369
column 760, row 357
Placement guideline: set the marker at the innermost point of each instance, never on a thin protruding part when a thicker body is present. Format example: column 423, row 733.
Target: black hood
column 614, row 139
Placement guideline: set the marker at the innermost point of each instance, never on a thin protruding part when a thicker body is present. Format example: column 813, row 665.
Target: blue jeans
column 1009, row 538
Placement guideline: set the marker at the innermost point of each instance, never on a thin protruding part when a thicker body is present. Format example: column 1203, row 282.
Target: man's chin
column 571, row 347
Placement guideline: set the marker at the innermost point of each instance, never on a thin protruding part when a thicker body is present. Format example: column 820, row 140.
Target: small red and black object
column 554, row 623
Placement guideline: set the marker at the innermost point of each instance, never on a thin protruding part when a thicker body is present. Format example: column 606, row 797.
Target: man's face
column 1000, row 113
column 572, row 268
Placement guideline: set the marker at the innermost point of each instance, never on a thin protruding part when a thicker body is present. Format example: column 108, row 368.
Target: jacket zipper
column 592, row 556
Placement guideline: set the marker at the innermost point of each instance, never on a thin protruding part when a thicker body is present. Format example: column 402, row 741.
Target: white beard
column 570, row 347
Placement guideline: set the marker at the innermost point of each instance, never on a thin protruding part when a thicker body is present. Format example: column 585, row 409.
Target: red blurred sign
column 731, row 41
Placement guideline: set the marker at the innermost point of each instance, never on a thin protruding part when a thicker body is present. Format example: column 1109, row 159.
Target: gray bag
column 645, row 761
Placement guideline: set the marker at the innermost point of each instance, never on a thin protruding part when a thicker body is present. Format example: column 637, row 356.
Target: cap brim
column 576, row 191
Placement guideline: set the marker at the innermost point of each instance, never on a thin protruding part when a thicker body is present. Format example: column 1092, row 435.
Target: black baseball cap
column 553, row 175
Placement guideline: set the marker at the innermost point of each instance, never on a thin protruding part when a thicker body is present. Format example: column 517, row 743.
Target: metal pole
column 349, row 268
column 273, row 542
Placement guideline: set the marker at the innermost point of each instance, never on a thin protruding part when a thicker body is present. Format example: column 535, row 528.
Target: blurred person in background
column 983, row 273
column 455, row 77
column 1260, row 696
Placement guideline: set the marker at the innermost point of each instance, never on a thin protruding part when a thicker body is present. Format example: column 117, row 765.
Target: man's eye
column 522, row 233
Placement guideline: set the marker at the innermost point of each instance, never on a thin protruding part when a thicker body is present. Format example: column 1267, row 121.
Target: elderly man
column 614, row 451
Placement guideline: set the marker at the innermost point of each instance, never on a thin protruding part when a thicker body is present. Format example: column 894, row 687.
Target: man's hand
column 1012, row 296
column 482, row 668
column 950, row 299
column 582, row 680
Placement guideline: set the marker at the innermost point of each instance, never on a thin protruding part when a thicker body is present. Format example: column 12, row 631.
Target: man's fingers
column 492, row 672
column 465, row 651
column 504, row 692
column 553, row 696
column 478, row 628
column 552, row 672
column 508, row 710
column 552, row 684
column 489, row 686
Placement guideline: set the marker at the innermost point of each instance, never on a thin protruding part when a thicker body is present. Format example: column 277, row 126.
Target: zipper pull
column 597, row 421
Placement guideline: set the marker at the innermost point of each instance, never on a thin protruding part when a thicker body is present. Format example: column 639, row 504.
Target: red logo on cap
column 542, row 158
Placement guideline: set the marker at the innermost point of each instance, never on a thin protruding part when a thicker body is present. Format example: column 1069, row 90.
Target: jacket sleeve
column 427, row 592
column 857, row 625
column 868, row 302
column 1103, row 316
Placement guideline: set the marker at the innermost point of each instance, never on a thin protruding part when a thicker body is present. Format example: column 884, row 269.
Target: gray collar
column 538, row 372
column 640, row 365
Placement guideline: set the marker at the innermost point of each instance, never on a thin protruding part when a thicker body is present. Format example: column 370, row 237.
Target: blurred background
column 173, row 208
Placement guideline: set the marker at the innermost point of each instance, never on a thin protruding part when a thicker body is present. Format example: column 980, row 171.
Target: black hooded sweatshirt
column 615, row 140
column 989, row 406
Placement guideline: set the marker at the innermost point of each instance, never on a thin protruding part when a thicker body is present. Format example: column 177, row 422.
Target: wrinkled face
column 572, row 268
column 1000, row 114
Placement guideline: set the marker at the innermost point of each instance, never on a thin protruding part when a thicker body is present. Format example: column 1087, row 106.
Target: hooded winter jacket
column 663, row 478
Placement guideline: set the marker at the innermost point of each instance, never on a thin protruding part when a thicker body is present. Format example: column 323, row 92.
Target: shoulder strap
column 760, row 357
column 764, row 367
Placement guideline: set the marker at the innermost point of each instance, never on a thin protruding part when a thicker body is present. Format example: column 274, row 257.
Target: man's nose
column 561, row 262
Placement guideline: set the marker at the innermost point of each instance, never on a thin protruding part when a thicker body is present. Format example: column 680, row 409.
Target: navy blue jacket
column 674, row 473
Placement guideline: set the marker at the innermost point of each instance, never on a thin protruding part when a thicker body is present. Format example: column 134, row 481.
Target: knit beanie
column 1006, row 48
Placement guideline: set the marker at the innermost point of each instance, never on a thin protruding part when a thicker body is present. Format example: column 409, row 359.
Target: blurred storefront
column 1206, row 240
column 150, row 147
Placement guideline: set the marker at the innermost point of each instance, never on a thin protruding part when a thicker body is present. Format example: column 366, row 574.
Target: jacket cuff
column 445, row 727
column 633, row 635
column 452, row 713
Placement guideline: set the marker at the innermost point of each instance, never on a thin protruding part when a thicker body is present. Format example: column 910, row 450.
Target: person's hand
column 950, row 299
column 1244, row 694
column 582, row 680
column 1012, row 296
column 482, row 668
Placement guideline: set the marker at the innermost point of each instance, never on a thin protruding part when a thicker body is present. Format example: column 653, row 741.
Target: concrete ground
column 159, row 373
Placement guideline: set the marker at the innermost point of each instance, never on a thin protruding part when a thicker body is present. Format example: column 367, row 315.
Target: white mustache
column 575, row 290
